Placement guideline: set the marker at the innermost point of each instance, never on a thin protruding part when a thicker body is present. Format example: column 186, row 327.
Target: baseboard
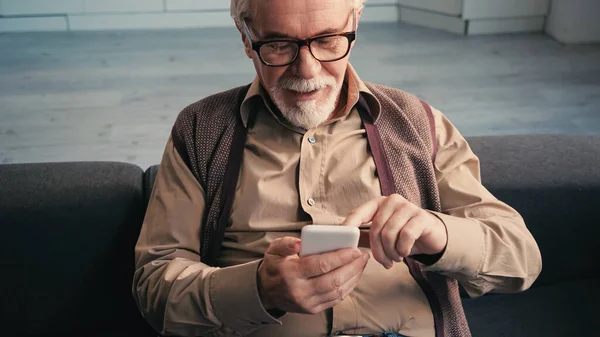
column 434, row 20
column 512, row 25
column 150, row 20
column 448, row 7
column 458, row 25
column 33, row 24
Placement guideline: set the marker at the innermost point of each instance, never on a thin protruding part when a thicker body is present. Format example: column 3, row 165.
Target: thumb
column 284, row 247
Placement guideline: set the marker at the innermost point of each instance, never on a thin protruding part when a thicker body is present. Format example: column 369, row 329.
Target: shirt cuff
column 465, row 249
column 235, row 299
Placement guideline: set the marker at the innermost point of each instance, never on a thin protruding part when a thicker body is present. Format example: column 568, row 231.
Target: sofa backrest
column 68, row 232
column 554, row 182
column 69, row 229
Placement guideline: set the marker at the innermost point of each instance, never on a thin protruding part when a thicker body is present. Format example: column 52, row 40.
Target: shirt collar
column 358, row 93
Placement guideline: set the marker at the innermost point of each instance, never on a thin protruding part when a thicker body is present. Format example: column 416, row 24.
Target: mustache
column 305, row 86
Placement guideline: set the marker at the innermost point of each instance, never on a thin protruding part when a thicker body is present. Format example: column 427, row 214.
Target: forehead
column 299, row 18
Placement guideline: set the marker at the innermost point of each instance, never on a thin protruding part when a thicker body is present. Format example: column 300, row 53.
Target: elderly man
column 309, row 143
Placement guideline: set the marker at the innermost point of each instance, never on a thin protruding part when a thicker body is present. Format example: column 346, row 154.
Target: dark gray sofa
column 68, row 232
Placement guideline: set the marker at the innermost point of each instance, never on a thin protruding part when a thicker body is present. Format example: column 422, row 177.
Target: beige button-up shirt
column 292, row 177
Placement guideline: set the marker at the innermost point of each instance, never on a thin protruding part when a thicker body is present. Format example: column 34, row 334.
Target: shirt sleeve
column 174, row 290
column 489, row 246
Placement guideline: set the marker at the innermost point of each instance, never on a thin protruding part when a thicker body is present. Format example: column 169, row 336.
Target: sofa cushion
column 565, row 309
column 554, row 182
column 67, row 246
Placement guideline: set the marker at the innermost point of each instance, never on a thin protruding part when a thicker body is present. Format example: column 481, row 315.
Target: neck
column 341, row 103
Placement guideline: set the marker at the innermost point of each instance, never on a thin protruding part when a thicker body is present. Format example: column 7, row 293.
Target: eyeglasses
column 283, row 52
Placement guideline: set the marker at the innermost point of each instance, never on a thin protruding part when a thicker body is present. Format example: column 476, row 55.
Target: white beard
column 306, row 114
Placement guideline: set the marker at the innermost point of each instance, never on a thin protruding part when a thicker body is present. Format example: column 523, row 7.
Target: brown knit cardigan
column 210, row 137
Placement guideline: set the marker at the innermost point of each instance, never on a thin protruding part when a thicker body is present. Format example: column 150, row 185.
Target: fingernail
column 356, row 254
column 389, row 265
column 366, row 256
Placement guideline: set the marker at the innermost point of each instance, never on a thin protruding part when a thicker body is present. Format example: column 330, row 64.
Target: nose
column 306, row 66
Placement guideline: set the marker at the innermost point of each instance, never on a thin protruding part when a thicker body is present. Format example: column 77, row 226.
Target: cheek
column 269, row 75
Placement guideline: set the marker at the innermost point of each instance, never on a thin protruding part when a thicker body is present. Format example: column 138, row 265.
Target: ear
column 358, row 16
column 247, row 47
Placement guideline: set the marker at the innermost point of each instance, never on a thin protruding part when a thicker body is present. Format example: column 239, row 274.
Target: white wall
column 484, row 9
column 474, row 17
column 574, row 21
column 450, row 7
column 63, row 15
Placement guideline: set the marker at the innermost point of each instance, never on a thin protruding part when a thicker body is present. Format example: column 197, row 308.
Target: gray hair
column 240, row 9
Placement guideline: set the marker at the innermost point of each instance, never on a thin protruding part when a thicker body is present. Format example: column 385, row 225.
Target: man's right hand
column 310, row 284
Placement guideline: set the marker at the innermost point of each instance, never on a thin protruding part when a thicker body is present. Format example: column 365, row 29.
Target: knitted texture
column 205, row 133
column 408, row 142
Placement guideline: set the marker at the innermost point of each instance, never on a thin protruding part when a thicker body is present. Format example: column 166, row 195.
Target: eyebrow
column 277, row 35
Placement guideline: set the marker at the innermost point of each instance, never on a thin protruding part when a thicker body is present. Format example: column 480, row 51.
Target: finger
column 411, row 232
column 363, row 213
column 386, row 209
column 335, row 279
column 339, row 293
column 284, row 247
column 384, row 236
column 378, row 252
column 319, row 264
column 380, row 221
column 391, row 232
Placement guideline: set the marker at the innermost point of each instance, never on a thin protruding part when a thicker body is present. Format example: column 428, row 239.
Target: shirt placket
column 312, row 194
column 312, row 173
column 311, row 152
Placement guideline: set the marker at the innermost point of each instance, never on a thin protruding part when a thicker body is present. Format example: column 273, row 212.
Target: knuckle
column 324, row 266
column 404, row 252
column 336, row 282
column 409, row 234
column 396, row 198
column 413, row 208
column 376, row 226
column 340, row 293
column 388, row 234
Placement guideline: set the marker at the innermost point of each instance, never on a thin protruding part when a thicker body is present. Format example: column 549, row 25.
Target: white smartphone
column 323, row 239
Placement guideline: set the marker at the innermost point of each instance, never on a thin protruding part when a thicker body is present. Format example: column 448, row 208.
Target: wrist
column 262, row 295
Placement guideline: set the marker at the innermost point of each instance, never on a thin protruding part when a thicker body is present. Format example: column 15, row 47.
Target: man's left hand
column 399, row 229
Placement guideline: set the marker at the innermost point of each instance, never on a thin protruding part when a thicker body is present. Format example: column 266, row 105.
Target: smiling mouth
column 305, row 96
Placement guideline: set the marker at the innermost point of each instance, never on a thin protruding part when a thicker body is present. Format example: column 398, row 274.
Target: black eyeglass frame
column 256, row 45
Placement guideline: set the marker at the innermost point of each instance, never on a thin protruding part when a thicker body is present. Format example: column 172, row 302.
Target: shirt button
column 312, row 140
column 311, row 202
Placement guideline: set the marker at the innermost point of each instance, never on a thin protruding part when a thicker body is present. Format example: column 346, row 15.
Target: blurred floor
column 115, row 95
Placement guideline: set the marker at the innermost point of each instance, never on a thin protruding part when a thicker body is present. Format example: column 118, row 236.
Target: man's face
column 306, row 91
